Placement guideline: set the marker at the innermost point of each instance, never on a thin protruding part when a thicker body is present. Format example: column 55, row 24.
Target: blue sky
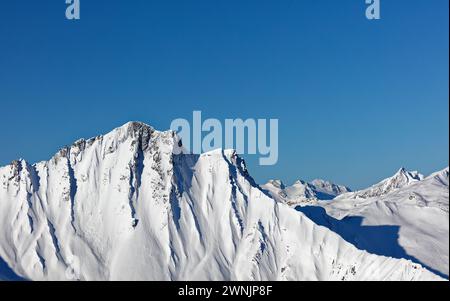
column 356, row 99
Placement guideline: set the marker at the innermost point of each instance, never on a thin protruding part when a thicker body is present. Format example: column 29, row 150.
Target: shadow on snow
column 379, row 240
column 6, row 273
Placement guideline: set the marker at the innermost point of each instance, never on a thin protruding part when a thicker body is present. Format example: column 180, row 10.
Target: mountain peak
column 402, row 170
column 136, row 126
column 400, row 179
column 409, row 175
column 304, row 192
column 277, row 183
column 300, row 182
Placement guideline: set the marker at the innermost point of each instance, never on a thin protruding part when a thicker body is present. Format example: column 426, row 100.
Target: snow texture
column 123, row 207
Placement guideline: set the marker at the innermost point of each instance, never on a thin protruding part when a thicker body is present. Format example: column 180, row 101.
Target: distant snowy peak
column 303, row 192
column 277, row 184
column 329, row 188
column 401, row 178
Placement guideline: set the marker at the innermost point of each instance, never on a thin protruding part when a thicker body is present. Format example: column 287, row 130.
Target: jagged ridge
column 123, row 206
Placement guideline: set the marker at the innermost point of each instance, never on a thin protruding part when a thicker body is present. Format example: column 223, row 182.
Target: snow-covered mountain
column 302, row 192
column 406, row 216
column 327, row 190
column 400, row 179
column 123, row 207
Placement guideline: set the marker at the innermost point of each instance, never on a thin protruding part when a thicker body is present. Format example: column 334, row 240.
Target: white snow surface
column 418, row 208
column 123, row 207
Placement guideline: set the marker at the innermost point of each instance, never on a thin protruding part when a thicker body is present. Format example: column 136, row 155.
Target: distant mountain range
column 304, row 192
column 122, row 206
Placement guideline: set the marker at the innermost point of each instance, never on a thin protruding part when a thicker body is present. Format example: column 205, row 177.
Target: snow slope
column 405, row 216
column 123, row 207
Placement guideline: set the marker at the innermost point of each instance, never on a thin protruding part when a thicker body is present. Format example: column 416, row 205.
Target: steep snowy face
column 302, row 192
column 401, row 179
column 418, row 212
column 123, row 207
column 84, row 203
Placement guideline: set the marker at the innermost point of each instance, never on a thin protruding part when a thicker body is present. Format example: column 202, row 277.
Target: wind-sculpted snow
column 123, row 207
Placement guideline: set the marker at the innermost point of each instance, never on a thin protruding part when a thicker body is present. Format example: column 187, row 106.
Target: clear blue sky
column 356, row 99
